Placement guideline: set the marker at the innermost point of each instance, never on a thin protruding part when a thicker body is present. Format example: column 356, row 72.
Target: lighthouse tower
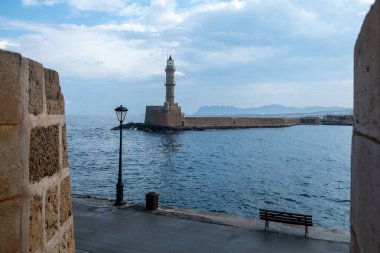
column 170, row 83
column 170, row 114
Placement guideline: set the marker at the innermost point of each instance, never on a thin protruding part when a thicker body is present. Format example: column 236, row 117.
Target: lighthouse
column 170, row 83
column 170, row 113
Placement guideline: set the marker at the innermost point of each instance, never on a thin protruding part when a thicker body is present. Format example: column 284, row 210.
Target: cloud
column 236, row 55
column 86, row 52
column 134, row 27
column 41, row 2
column 285, row 48
column 366, row 1
column 97, row 5
column 5, row 44
column 221, row 6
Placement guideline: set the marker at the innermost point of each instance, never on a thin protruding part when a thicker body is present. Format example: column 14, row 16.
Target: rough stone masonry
column 35, row 196
column 365, row 174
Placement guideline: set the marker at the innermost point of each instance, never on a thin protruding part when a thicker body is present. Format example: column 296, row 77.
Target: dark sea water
column 303, row 169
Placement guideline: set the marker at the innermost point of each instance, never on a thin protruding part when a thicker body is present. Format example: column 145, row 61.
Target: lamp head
column 121, row 112
column 170, row 62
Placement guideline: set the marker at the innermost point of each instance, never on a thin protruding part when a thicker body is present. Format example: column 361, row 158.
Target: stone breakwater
column 203, row 123
column 237, row 122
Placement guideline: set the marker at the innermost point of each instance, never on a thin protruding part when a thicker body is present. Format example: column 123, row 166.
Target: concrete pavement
column 100, row 227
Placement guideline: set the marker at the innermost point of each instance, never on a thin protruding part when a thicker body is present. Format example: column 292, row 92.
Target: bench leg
column 266, row 224
column 306, row 230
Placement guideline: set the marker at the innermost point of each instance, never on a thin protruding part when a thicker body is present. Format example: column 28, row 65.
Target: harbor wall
column 236, row 122
column 35, row 196
column 365, row 163
column 161, row 116
column 154, row 115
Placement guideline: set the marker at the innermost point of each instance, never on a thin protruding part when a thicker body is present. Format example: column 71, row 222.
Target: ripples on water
column 302, row 169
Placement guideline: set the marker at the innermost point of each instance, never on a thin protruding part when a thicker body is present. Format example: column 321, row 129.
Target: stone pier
column 35, row 196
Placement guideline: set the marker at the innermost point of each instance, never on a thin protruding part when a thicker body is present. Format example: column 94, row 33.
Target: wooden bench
column 288, row 218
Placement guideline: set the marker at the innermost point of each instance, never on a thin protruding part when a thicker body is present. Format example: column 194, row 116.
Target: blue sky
column 240, row 53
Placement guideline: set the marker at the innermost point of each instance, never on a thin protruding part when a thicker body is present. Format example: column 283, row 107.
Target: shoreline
column 244, row 222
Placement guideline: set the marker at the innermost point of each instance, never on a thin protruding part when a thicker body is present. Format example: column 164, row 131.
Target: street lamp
column 120, row 113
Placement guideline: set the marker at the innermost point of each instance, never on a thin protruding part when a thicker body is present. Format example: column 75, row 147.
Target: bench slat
column 270, row 216
column 280, row 213
column 295, row 222
column 286, row 217
column 285, row 214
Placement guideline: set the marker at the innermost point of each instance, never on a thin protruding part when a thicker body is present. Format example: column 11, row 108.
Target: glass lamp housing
column 121, row 112
column 170, row 62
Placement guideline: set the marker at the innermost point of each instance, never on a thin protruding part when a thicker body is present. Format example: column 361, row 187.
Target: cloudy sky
column 244, row 53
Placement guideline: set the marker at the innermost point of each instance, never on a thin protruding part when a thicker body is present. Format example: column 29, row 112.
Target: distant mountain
column 267, row 109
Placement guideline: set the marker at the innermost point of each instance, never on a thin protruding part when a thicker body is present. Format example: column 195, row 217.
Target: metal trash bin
column 151, row 200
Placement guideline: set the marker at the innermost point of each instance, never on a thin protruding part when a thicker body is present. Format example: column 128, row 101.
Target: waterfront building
column 310, row 121
column 338, row 120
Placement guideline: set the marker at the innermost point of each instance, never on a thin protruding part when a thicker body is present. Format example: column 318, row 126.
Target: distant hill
column 268, row 109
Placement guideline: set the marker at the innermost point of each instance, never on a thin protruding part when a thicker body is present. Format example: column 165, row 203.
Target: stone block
column 51, row 212
column 70, row 240
column 10, row 165
column 10, row 226
column 35, row 88
column 35, row 223
column 10, row 109
column 367, row 76
column 65, row 159
column 54, row 98
column 61, row 247
column 65, row 208
column 365, row 198
column 44, row 152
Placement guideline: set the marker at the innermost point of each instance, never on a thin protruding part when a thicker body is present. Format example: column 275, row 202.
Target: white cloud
column 41, row 2
column 180, row 73
column 30, row 2
column 366, row 1
column 110, row 48
column 97, row 5
column 259, row 41
column 5, row 44
column 236, row 55
column 87, row 52
column 221, row 6
column 133, row 27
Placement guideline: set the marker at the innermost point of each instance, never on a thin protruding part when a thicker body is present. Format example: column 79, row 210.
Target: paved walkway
column 100, row 227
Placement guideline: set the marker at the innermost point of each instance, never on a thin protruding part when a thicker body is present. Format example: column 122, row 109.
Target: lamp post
column 120, row 113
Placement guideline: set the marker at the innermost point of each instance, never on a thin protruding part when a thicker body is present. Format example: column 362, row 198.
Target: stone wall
column 365, row 174
column 154, row 115
column 159, row 115
column 238, row 122
column 35, row 196
column 174, row 116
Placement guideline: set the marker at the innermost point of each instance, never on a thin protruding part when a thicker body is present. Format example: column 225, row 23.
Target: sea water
column 304, row 169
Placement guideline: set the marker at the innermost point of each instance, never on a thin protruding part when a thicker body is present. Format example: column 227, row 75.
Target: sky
column 246, row 53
